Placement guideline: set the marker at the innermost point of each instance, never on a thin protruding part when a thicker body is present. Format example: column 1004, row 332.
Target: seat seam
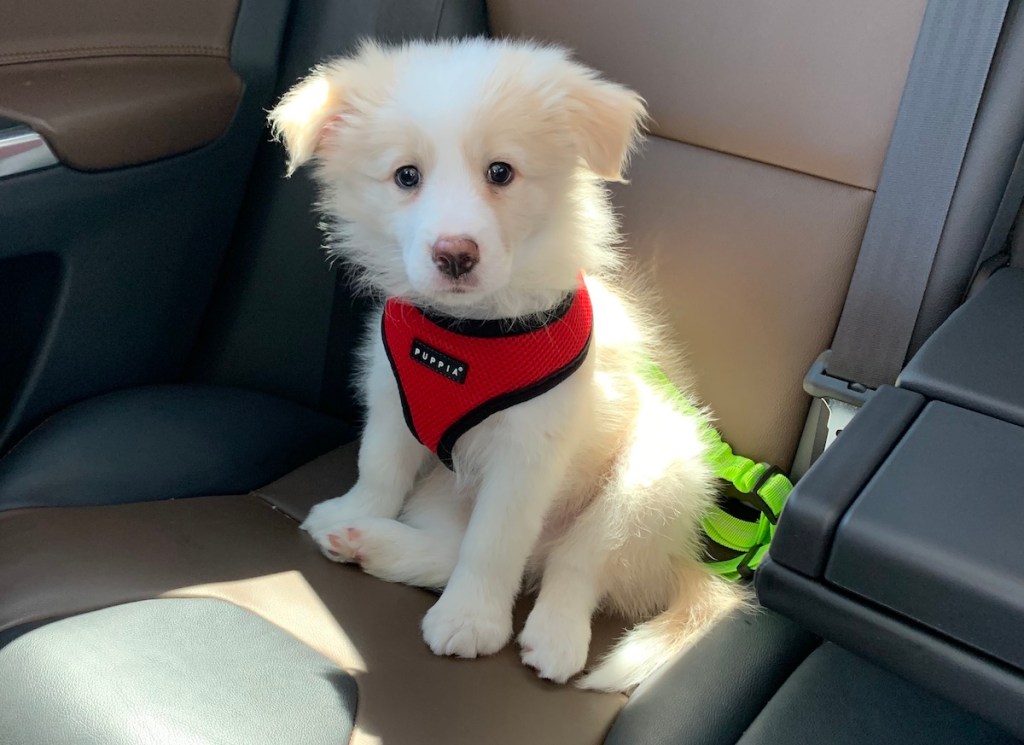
column 654, row 135
column 114, row 50
column 268, row 501
column 778, row 690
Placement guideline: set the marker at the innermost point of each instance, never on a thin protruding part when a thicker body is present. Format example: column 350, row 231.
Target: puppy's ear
column 307, row 113
column 607, row 119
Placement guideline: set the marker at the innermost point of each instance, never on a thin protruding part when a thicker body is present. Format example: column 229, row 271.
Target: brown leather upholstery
column 119, row 82
column 117, row 111
column 244, row 550
column 56, row 29
column 754, row 262
column 801, row 84
column 753, row 225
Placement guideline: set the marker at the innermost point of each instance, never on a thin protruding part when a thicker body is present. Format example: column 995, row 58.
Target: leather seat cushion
column 247, row 550
column 166, row 672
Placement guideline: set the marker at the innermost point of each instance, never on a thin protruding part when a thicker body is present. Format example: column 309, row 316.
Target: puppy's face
column 454, row 170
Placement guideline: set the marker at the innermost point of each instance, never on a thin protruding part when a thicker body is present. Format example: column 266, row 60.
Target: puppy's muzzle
column 456, row 256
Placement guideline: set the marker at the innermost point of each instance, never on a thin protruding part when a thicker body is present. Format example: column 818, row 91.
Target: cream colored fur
column 594, row 491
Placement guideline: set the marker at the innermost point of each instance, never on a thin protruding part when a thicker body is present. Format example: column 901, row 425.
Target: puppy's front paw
column 342, row 546
column 373, row 543
column 466, row 626
column 330, row 513
column 554, row 644
column 334, row 514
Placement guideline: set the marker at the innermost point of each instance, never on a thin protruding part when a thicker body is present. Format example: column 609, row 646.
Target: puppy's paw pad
column 354, row 542
column 452, row 628
column 554, row 646
column 375, row 545
column 336, row 548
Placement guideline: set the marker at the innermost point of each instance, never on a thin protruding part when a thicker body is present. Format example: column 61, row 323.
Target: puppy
column 462, row 182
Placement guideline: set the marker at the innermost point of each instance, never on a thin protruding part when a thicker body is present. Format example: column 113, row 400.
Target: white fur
column 594, row 490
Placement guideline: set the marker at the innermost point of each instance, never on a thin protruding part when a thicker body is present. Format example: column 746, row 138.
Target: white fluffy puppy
column 464, row 179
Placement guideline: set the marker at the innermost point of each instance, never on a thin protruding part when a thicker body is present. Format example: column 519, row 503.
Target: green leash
column 764, row 486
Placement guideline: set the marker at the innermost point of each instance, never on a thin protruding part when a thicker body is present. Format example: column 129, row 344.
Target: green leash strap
column 765, row 486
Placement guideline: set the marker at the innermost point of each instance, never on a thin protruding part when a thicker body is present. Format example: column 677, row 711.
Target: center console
column 905, row 541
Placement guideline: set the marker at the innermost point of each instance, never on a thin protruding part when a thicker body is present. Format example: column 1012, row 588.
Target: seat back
column 283, row 321
column 749, row 201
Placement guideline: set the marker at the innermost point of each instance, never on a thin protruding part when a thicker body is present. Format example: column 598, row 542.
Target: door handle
column 22, row 150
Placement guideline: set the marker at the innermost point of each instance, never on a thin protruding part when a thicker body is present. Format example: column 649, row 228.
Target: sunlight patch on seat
column 288, row 601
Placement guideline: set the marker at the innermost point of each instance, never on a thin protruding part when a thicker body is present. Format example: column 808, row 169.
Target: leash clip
column 755, row 493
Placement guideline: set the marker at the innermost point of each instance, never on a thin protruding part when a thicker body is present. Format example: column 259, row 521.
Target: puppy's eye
column 407, row 177
column 499, row 174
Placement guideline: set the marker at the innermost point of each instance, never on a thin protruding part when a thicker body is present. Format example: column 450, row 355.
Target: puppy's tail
column 702, row 599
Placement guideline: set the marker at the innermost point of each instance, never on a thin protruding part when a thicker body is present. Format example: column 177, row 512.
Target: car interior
column 827, row 200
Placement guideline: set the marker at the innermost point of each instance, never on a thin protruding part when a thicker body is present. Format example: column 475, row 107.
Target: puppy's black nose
column 455, row 256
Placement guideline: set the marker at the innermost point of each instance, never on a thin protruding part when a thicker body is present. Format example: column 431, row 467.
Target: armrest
column 935, row 535
column 902, row 543
column 803, row 539
column 97, row 114
column 112, row 83
column 976, row 358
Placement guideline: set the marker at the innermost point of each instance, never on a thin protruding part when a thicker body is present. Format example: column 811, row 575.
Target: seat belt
column 736, row 540
column 944, row 85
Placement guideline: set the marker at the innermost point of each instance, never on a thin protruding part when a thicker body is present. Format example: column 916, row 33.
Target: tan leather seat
column 248, row 550
column 771, row 122
column 770, row 126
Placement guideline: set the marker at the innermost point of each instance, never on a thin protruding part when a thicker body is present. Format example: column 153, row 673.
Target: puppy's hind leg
column 421, row 547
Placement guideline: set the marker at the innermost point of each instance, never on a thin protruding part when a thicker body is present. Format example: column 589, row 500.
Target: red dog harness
column 453, row 373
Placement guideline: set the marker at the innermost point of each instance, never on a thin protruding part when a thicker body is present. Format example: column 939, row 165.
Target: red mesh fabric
column 453, row 375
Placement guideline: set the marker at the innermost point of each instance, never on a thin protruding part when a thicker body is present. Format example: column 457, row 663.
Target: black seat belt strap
column 933, row 126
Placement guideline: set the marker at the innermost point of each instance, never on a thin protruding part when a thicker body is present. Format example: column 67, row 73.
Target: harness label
column 441, row 363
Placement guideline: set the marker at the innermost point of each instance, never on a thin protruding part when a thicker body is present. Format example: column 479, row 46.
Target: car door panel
column 108, row 259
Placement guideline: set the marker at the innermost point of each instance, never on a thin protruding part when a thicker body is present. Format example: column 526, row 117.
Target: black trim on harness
column 406, row 411
column 499, row 403
column 496, row 328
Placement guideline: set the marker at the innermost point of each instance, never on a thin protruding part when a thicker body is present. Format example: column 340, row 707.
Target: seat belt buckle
column 836, row 402
column 820, row 384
